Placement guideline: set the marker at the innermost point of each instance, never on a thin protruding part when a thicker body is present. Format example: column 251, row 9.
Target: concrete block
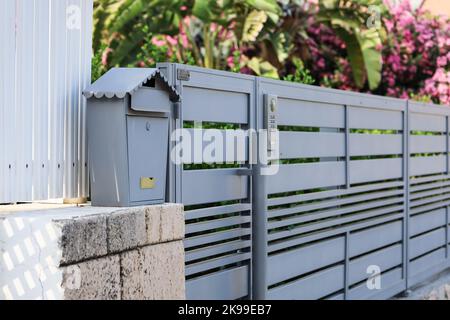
column 83, row 238
column 153, row 224
column 62, row 253
column 97, row 279
column 132, row 275
column 154, row 272
column 126, row 229
column 172, row 222
column 163, row 268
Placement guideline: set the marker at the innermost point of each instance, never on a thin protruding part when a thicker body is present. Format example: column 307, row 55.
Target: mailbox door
column 147, row 157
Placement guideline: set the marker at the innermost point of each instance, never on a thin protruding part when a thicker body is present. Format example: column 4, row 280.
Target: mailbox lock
column 147, row 183
column 147, row 126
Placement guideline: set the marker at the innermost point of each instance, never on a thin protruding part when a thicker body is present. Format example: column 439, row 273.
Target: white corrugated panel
column 44, row 65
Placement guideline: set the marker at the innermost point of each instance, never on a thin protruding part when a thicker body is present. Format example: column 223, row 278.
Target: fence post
column 259, row 240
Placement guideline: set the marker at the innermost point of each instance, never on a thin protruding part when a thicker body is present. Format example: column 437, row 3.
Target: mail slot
column 128, row 114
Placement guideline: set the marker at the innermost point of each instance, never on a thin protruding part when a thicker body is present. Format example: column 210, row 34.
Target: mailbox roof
column 117, row 82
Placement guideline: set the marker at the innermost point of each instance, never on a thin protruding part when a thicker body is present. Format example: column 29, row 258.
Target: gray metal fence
column 363, row 187
column 45, row 64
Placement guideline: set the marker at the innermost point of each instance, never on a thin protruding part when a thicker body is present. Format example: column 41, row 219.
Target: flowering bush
column 416, row 55
column 299, row 41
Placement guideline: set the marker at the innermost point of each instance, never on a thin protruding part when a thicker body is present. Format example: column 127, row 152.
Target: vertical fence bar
column 61, row 89
column 346, row 266
column 259, row 240
column 24, row 98
column 446, row 232
column 259, row 197
column 9, row 144
column 3, row 78
column 41, row 106
column 406, row 178
column 447, row 158
column 86, row 57
column 54, row 134
column 447, row 164
column 347, row 147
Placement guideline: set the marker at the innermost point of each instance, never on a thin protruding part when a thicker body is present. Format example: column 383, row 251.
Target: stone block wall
column 93, row 253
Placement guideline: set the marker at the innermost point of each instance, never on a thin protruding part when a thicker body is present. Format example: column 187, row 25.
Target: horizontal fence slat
column 375, row 170
column 429, row 207
column 216, row 224
column 314, row 286
column 384, row 259
column 332, row 203
column 432, row 192
column 333, row 193
column 297, row 219
column 427, row 261
column 364, row 118
column 374, row 238
column 207, row 186
column 221, row 106
column 428, row 165
column 212, row 211
column 292, row 263
column 427, row 122
column 427, row 242
column 215, row 237
column 338, row 230
column 417, row 190
column 216, row 263
column 222, row 285
column 424, row 144
column 323, row 144
column 311, row 144
column 389, row 278
column 292, row 177
column 375, row 144
column 216, row 249
column 310, row 114
column 427, row 221
column 216, row 146
column 334, row 222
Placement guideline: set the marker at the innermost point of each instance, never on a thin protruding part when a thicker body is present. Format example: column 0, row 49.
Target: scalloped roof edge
column 117, row 82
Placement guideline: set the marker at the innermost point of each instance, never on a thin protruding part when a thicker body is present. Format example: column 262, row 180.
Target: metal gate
column 217, row 198
column 335, row 210
column 429, row 186
column 357, row 210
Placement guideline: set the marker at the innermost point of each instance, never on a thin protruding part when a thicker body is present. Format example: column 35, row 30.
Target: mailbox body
column 128, row 147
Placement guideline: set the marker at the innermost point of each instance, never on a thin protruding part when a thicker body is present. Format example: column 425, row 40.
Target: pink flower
column 442, row 89
column 158, row 42
column 440, row 75
column 321, row 63
column 105, row 56
column 172, row 40
column 441, row 61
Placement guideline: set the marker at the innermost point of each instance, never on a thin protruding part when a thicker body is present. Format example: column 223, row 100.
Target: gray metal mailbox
column 128, row 115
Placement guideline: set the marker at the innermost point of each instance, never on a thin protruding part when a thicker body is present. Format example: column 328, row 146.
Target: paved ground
column 435, row 288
